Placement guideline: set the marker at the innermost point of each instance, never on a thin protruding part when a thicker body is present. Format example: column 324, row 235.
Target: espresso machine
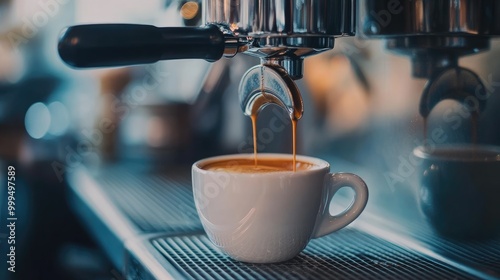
column 280, row 33
column 435, row 35
column 151, row 230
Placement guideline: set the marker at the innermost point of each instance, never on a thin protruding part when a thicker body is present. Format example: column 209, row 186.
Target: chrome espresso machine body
column 435, row 34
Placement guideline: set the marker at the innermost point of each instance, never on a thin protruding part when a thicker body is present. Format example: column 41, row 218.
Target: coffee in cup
column 460, row 189
column 268, row 213
column 263, row 165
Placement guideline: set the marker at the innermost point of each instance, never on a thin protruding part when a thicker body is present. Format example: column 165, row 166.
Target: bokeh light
column 59, row 118
column 37, row 120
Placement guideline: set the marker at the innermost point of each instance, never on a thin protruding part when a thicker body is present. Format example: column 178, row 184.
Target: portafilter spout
column 267, row 84
column 455, row 83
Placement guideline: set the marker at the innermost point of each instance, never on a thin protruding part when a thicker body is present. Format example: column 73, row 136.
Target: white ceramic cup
column 270, row 217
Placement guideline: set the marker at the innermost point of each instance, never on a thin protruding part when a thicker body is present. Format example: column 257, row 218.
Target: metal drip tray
column 483, row 256
column 478, row 255
column 119, row 203
column 152, row 201
column 347, row 254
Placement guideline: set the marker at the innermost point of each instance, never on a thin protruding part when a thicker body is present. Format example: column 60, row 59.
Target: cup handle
column 327, row 223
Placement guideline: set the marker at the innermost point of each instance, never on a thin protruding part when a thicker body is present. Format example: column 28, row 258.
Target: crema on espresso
column 264, row 165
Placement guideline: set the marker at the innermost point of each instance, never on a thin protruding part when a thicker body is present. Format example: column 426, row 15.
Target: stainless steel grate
column 347, row 254
column 480, row 255
column 154, row 202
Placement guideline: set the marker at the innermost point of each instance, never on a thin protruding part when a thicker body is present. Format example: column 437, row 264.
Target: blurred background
column 361, row 109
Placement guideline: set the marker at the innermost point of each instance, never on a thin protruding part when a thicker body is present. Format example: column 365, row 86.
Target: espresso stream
column 262, row 165
column 294, row 141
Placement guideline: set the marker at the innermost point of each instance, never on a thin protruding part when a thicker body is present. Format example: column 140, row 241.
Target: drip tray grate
column 480, row 255
column 347, row 254
column 154, row 201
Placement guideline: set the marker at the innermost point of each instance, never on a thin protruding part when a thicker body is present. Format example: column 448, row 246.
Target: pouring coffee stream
column 267, row 84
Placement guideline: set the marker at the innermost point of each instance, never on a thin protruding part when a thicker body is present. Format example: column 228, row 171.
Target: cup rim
column 318, row 164
column 427, row 153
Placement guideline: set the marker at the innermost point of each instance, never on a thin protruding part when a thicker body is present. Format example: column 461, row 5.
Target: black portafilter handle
column 103, row 45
